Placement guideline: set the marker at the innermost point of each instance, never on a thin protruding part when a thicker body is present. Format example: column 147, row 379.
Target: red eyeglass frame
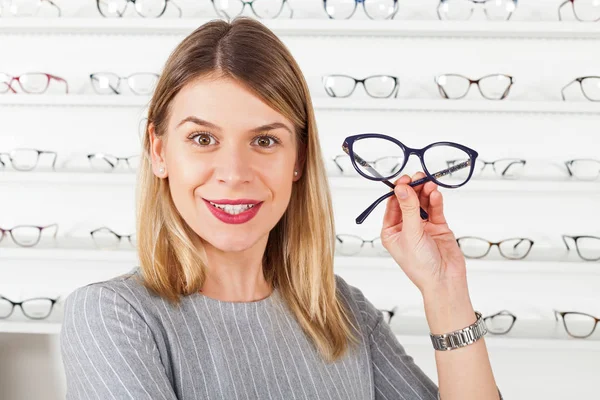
column 49, row 77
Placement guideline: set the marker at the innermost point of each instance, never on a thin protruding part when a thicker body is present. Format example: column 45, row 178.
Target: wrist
column 448, row 307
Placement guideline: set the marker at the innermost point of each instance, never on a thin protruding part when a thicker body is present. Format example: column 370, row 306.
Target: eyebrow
column 262, row 128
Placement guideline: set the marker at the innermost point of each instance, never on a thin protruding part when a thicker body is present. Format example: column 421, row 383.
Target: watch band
column 460, row 338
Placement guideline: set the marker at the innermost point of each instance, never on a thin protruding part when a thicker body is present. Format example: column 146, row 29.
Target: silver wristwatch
column 460, row 338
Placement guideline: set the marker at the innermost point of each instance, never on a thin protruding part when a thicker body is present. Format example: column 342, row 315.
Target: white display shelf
column 33, row 327
column 494, row 266
column 68, row 254
column 92, row 178
column 312, row 27
column 330, row 104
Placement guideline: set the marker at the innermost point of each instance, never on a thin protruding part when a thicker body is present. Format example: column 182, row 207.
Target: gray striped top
column 119, row 341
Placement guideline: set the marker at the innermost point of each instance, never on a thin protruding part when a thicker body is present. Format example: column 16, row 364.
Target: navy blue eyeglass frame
column 391, row 16
column 348, row 144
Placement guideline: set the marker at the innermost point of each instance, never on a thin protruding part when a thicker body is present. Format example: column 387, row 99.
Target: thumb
column 411, row 207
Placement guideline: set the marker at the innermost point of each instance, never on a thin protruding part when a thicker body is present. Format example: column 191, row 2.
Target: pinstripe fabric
column 119, row 341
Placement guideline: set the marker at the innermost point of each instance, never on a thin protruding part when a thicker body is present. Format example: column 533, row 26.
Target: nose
column 233, row 165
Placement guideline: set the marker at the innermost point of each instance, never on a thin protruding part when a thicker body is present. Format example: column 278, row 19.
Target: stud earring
column 295, row 173
column 161, row 170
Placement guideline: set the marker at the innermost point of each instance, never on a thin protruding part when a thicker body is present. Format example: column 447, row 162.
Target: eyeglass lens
column 350, row 245
column 516, row 248
column 463, row 9
column 146, row 8
column 375, row 9
column 389, row 159
column 499, row 323
column 378, row 86
column 587, row 10
column 106, row 238
column 32, row 308
column 108, row 83
column 261, row 8
column 578, row 324
column 589, row 248
column 107, row 163
column 455, row 86
column 23, row 159
column 585, row 169
column 25, row 236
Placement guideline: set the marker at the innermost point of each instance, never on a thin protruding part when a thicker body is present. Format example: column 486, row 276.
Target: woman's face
column 224, row 145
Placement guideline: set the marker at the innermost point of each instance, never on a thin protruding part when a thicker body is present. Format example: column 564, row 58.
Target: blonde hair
column 298, row 259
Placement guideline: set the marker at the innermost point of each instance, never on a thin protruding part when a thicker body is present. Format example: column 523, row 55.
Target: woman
column 235, row 296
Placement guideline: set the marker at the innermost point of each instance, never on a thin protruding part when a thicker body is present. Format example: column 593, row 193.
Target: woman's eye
column 264, row 141
column 202, row 139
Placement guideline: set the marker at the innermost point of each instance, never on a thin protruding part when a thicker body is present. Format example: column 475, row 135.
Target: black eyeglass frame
column 348, row 145
column 501, row 313
column 393, row 92
column 474, row 82
column 391, row 16
column 250, row 4
column 576, row 239
column 574, row 12
column 39, row 154
column 120, row 14
column 492, row 244
column 20, row 304
column 562, row 315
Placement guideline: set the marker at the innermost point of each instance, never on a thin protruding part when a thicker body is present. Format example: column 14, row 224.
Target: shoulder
column 354, row 299
column 123, row 296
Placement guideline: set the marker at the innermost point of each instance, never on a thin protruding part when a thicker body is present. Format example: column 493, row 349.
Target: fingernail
column 402, row 193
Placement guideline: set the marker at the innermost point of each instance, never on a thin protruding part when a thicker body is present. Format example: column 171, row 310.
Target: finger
column 415, row 177
column 436, row 208
column 425, row 194
column 409, row 205
column 393, row 214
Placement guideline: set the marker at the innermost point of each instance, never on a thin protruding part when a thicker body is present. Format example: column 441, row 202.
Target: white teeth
column 233, row 209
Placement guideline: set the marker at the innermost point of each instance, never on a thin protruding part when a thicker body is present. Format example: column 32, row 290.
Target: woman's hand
column 426, row 251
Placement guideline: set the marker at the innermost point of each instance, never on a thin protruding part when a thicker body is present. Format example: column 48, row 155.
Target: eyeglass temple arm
column 178, row 8
column 53, row 157
column 360, row 219
column 560, row 7
column 58, row 78
column 57, row 7
column 562, row 91
column 564, row 238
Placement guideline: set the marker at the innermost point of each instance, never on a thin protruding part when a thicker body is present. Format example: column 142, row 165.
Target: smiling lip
column 234, row 219
column 233, row 202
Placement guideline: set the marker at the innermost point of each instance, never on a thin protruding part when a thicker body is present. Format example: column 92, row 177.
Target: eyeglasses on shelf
column 508, row 168
column 28, row 8
column 30, row 83
column 512, row 249
column 27, row 235
column 500, row 323
column 589, row 85
column 371, row 146
column 144, row 8
column 577, row 324
column 140, row 83
column 108, row 163
column 588, row 247
column 376, row 86
column 584, row 10
column 496, row 10
column 106, row 238
column 491, row 87
column 34, row 308
column 264, row 9
column 585, row 169
column 25, row 159
column 350, row 245
column 374, row 9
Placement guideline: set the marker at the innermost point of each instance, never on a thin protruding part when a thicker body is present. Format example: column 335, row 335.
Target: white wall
column 536, row 360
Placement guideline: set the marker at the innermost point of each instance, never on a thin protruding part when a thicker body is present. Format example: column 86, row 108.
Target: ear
column 157, row 148
column 300, row 162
